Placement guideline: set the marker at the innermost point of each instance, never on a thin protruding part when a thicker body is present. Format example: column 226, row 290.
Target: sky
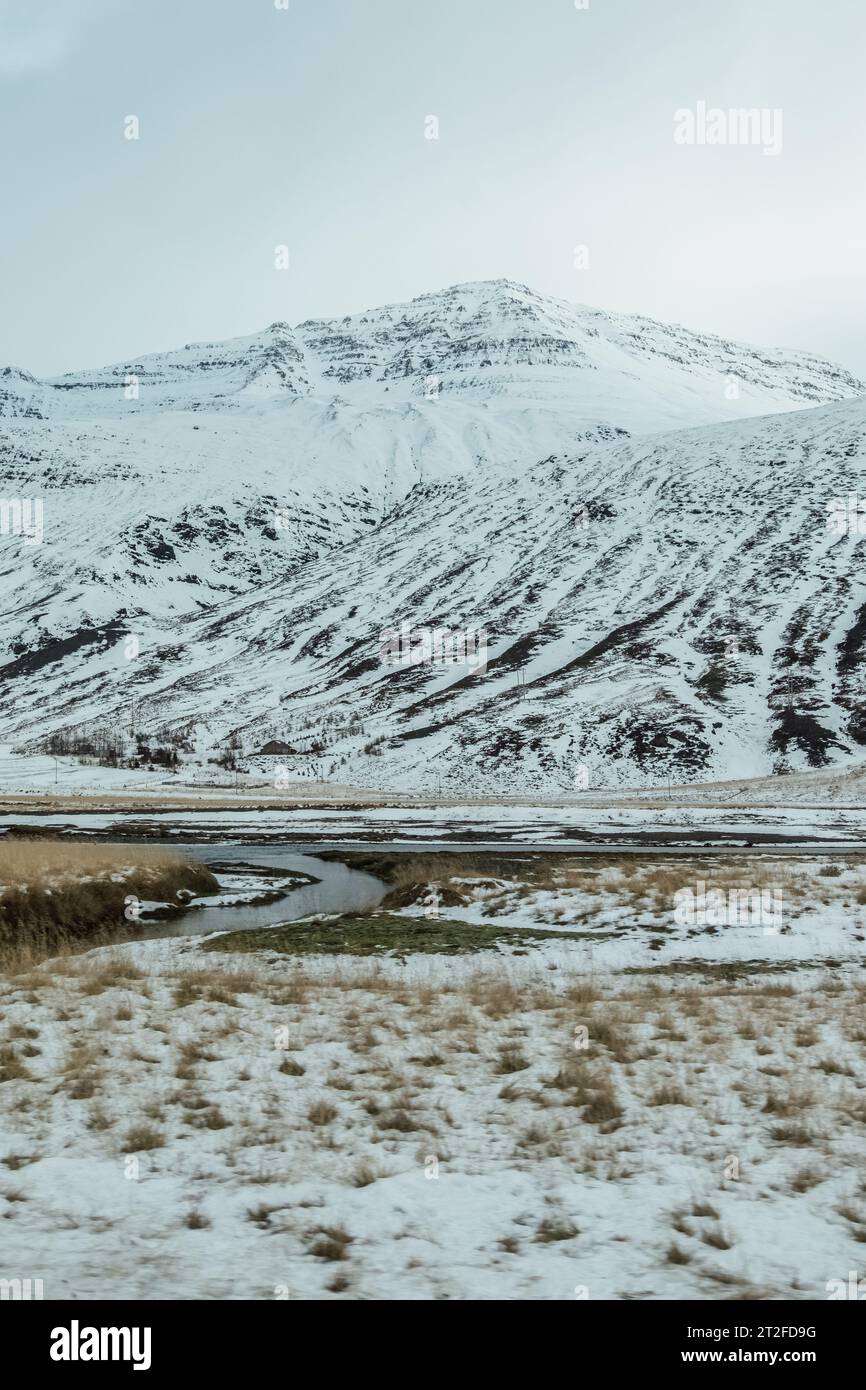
column 304, row 124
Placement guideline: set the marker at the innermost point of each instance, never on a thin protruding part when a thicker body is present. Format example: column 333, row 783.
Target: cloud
column 36, row 35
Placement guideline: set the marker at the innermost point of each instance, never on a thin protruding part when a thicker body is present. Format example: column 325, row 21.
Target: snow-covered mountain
column 636, row 514
column 493, row 344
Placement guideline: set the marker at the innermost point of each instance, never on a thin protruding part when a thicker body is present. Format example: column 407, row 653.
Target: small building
column 275, row 748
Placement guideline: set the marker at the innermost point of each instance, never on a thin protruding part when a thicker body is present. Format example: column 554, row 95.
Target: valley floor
column 36, row 783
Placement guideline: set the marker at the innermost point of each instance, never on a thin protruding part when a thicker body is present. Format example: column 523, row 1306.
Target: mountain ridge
column 481, row 339
column 658, row 602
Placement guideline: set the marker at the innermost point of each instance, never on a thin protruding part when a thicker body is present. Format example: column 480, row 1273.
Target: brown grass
column 140, row 1138
column 58, row 894
column 330, row 1243
column 806, row 1178
column 554, row 1228
column 11, row 1066
column 321, row 1112
column 677, row 1256
column 289, row 1067
column 494, row 1039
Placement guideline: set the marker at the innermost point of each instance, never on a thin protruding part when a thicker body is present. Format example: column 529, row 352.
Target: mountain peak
column 479, row 341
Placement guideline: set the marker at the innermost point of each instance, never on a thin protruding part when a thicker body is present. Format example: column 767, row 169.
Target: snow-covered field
column 410, row 824
column 37, row 783
column 631, row 1111
column 623, row 913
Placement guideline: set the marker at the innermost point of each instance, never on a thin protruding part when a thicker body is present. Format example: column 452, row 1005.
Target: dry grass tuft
column 510, row 1059
column 321, row 1112
column 554, row 1228
column 677, row 1256
column 140, row 1138
column 330, row 1243
column 289, row 1067
column 12, row 1068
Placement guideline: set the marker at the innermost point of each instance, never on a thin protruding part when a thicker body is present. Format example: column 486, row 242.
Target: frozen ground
column 408, row 824
column 34, row 778
column 628, row 1112
column 623, row 913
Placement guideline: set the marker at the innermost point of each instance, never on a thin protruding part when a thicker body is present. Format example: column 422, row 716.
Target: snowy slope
column 581, row 486
column 491, row 343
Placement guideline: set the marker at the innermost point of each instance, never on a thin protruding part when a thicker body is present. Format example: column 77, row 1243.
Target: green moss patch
column 382, row 934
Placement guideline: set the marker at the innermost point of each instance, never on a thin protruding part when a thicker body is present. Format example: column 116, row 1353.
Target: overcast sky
column 307, row 127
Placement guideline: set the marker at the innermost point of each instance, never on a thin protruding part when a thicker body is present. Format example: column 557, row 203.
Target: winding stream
column 341, row 890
